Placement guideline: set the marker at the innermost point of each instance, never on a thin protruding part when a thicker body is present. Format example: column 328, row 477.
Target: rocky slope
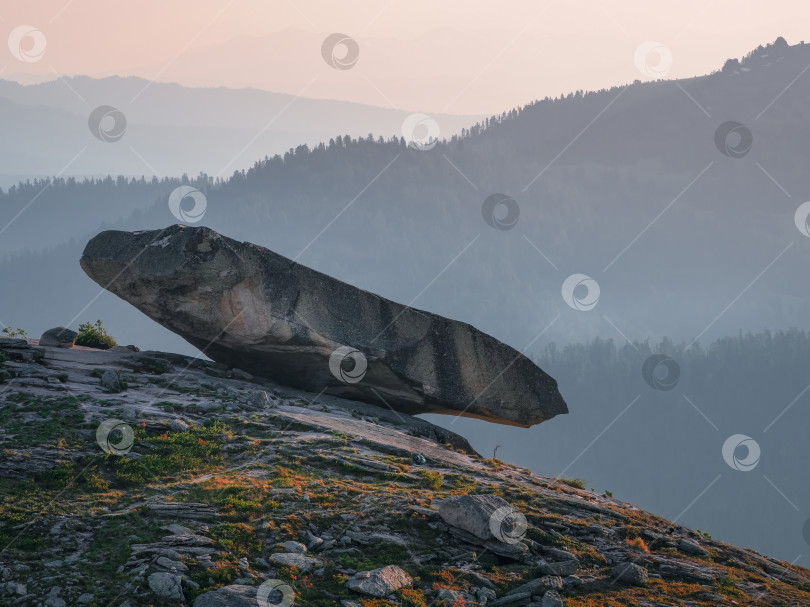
column 142, row 478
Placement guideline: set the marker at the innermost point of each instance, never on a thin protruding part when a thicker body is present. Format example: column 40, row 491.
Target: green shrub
column 14, row 332
column 95, row 336
column 577, row 483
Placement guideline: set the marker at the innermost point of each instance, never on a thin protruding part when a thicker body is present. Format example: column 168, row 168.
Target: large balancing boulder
column 248, row 307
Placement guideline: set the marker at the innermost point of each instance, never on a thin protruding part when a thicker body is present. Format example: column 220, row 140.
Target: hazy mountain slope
column 171, row 129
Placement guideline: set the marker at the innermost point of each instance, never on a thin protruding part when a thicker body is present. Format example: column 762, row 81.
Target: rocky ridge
column 144, row 478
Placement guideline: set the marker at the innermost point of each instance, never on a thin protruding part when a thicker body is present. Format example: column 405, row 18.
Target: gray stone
column 251, row 308
column 291, row 546
column 178, row 425
column 59, row 337
column 125, row 349
column 629, row 573
column 562, row 568
column 517, row 599
column 552, row 598
column 538, row 586
column 452, row 597
column 85, row 598
column 299, row 561
column 235, row 595
column 112, row 381
column 485, row 595
column 171, row 565
column 16, row 588
column 166, row 585
column 379, row 582
column 474, row 514
column 688, row 546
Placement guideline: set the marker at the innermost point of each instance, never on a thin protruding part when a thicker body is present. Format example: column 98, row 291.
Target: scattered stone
column 251, row 308
column 419, row 459
column 299, row 561
column 171, row 565
column 473, row 513
column 178, row 425
column 629, row 573
column 562, row 568
column 235, row 595
column 178, row 529
column 688, row 546
column 380, row 582
column 291, row 546
column 124, row 349
column 60, row 337
column 112, row 381
column 518, row 599
column 165, row 585
column 552, row 598
column 450, row 598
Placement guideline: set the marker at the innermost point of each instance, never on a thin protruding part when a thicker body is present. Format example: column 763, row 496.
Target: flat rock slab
column 248, row 307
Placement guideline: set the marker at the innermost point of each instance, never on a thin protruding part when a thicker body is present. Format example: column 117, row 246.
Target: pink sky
column 456, row 56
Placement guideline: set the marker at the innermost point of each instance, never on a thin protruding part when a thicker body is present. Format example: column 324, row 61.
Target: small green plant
column 608, row 493
column 9, row 332
column 431, row 478
column 704, row 534
column 577, row 483
column 95, row 336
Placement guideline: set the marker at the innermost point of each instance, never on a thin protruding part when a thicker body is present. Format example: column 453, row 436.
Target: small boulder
column 166, row 585
column 290, row 546
column 380, row 582
column 561, row 568
column 299, row 561
column 552, row 598
column 629, row 573
column 112, row 381
column 59, row 337
column 475, row 514
column 235, row 595
column 518, row 599
column 688, row 546
column 455, row 597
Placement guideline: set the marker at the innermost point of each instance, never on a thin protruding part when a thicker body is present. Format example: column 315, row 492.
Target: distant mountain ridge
column 172, row 129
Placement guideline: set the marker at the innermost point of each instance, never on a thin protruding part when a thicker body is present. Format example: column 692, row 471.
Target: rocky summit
column 248, row 307
column 132, row 478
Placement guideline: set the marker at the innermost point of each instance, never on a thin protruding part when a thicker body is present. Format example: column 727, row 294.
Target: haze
column 456, row 56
